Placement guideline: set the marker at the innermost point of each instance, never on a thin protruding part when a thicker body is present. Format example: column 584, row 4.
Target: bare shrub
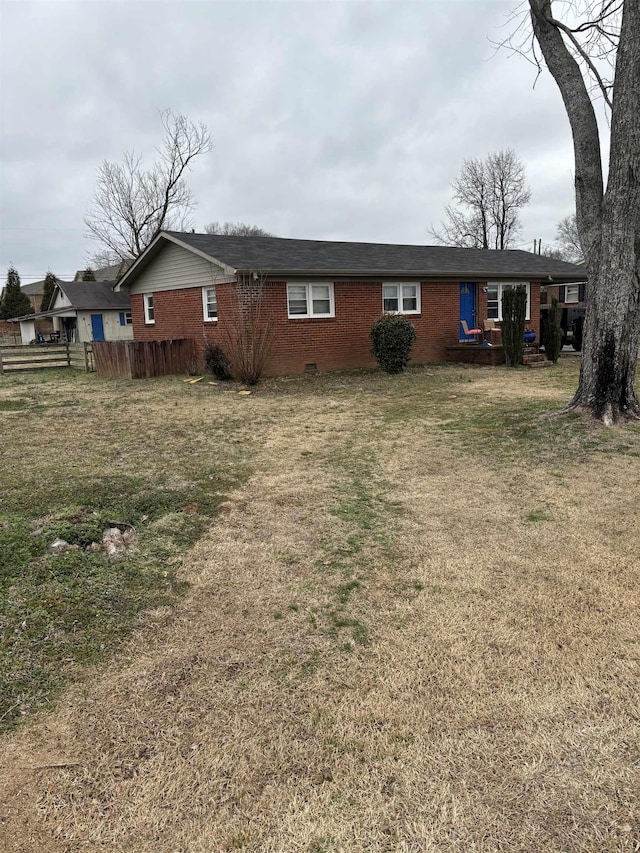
column 249, row 330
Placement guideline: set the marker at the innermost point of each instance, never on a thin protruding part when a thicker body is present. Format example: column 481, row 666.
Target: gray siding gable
column 175, row 268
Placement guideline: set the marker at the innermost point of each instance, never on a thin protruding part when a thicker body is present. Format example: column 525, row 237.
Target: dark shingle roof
column 95, row 295
column 36, row 288
column 280, row 255
column 112, row 273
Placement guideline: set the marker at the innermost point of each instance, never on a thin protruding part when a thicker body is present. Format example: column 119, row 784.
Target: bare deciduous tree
column 567, row 246
column 103, row 258
column 569, row 239
column 578, row 50
column 489, row 194
column 236, row 229
column 132, row 205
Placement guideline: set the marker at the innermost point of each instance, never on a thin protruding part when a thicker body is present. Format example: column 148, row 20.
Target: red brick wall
column 335, row 343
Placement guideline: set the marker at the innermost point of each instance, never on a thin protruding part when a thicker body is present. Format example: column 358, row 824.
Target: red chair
column 468, row 331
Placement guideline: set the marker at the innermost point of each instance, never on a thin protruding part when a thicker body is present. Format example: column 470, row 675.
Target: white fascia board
column 56, row 293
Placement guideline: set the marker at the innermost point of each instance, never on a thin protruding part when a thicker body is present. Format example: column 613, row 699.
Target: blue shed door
column 467, row 307
column 97, row 327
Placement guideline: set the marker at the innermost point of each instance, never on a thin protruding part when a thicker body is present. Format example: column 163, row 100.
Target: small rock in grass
column 113, row 542
column 59, row 546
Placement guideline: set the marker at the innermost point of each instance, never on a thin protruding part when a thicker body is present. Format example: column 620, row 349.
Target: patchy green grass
column 80, row 455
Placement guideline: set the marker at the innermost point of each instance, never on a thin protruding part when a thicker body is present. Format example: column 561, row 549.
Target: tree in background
column 569, row 239
column 567, row 246
column 236, row 229
column 591, row 50
column 132, row 205
column 50, row 282
column 103, row 258
column 14, row 303
column 555, row 252
column 489, row 195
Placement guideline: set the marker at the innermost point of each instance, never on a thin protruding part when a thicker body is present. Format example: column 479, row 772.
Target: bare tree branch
column 131, row 205
column 604, row 86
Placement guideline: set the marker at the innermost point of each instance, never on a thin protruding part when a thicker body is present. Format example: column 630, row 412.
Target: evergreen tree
column 514, row 310
column 553, row 331
column 15, row 303
column 50, row 282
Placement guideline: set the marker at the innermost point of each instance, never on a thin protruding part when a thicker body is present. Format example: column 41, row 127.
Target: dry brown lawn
column 415, row 628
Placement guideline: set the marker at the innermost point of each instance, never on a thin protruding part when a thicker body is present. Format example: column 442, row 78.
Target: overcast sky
column 331, row 120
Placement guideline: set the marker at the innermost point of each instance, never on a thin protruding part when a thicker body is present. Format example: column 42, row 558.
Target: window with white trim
column 494, row 298
column 401, row 298
column 126, row 318
column 149, row 313
column 572, row 293
column 310, row 300
column 209, row 304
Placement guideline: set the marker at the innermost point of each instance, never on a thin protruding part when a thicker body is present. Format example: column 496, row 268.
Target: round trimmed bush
column 392, row 337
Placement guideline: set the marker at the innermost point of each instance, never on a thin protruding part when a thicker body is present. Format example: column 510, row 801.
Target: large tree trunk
column 609, row 225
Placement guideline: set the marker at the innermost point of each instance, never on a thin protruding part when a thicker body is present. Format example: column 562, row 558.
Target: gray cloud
column 331, row 120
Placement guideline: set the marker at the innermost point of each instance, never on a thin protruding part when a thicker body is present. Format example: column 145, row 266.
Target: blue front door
column 467, row 308
column 97, row 327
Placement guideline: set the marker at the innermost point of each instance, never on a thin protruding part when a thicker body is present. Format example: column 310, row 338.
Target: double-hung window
column 310, row 300
column 149, row 313
column 401, row 298
column 494, row 298
column 209, row 304
column 572, row 293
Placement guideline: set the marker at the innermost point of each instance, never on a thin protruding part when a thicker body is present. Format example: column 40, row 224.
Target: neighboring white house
column 84, row 311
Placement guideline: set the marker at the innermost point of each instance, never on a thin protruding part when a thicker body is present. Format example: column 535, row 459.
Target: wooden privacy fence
column 143, row 359
column 36, row 357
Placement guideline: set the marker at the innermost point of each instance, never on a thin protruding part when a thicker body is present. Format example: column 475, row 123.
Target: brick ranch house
column 322, row 297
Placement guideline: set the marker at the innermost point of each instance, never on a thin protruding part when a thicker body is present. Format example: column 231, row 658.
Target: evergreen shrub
column 392, row 338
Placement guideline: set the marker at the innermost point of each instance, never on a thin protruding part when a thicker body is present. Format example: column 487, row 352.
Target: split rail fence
column 14, row 359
